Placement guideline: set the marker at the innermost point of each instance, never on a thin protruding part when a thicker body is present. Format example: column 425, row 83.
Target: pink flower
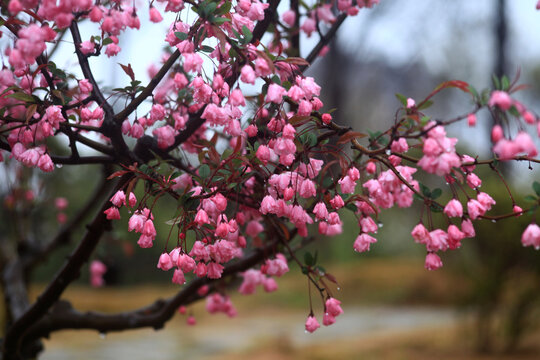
column 485, row 200
column 268, row 205
column 347, row 185
column 496, row 133
column 247, row 74
column 368, row 225
column 263, row 154
column 87, row 47
column 320, row 211
column 328, row 319
column 468, row 228
column 201, row 218
column 410, row 103
column 275, row 93
column 119, row 198
column 454, row 237
column 97, row 270
column 312, row 324
column 473, row 181
column 362, row 242
column 337, row 202
column 112, row 213
column 45, row 163
column 531, row 236
column 61, row 203
column 399, row 146
column 453, row 208
column 471, row 120
column 420, row 234
column 214, row 270
column 475, row 209
column 433, row 262
column 500, row 99
column 178, row 277
column 276, row 267
column 438, row 240
column 186, row 263
column 289, row 17
column 155, row 16
column 165, row 263
column 165, row 136
column 149, row 229
column 333, row 307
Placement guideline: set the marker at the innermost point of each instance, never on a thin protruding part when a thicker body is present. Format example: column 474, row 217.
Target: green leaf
column 473, row 91
column 206, row 48
column 425, row 190
column 351, row 207
column 436, row 193
column 426, row 105
column 204, row 171
column 496, row 82
column 505, row 83
column 224, row 9
column 22, row 97
column 424, row 120
column 402, row 99
column 311, row 139
column 309, row 260
column 530, row 198
column 220, row 20
column 182, row 36
column 536, row 187
column 247, row 34
column 107, row 41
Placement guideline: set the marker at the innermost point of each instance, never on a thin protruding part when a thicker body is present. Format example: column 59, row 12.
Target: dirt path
column 215, row 335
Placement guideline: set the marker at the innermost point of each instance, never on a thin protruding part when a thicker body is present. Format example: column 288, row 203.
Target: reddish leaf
column 297, row 61
column 350, row 135
column 299, row 120
column 331, row 277
column 128, row 70
column 117, row 174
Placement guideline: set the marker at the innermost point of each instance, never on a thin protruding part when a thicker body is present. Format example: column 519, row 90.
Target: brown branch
column 154, row 315
column 68, row 273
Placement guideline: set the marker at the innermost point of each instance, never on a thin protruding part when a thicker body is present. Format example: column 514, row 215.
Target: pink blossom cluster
column 97, row 270
column 439, row 152
column 505, row 148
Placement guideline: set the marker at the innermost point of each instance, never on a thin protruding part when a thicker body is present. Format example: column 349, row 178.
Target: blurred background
column 483, row 304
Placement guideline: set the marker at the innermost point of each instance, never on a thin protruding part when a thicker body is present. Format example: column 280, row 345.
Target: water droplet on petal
column 338, row 289
column 388, row 152
column 380, row 225
column 59, row 166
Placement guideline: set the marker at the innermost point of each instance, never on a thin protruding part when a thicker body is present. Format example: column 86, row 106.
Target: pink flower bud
column 433, row 262
column 155, row 16
column 165, row 262
column 496, row 133
column 312, row 324
column 531, row 236
column 471, row 120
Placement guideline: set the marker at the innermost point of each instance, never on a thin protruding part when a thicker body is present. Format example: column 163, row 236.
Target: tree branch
column 69, row 272
column 155, row 315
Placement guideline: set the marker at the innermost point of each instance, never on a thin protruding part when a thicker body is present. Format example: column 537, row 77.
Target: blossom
column 531, row 236
column 433, row 262
column 312, row 324
column 453, row 208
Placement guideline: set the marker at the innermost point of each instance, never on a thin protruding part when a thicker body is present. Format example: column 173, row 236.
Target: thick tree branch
column 69, row 272
column 154, row 315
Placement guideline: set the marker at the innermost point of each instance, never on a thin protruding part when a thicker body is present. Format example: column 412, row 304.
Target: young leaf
column 204, row 171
